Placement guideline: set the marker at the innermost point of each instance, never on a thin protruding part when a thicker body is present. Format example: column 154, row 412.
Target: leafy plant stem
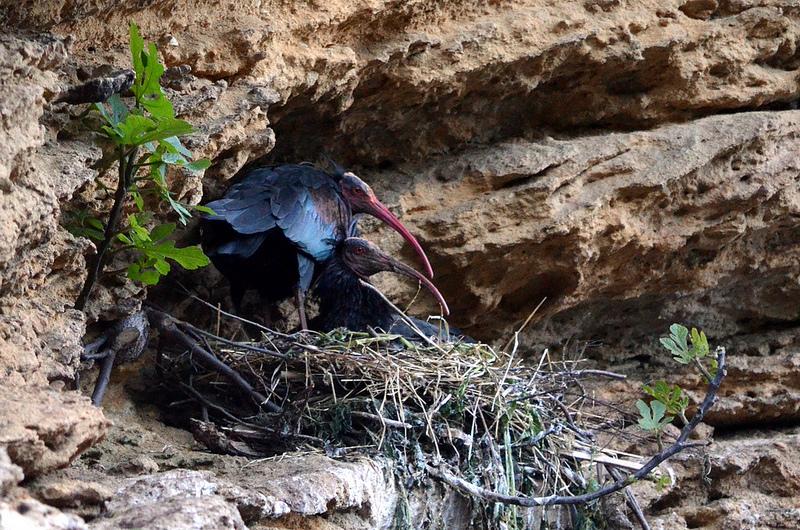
column 703, row 370
column 120, row 249
column 147, row 139
column 124, row 180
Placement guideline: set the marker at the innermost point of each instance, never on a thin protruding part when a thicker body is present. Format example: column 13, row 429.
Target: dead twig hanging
column 122, row 342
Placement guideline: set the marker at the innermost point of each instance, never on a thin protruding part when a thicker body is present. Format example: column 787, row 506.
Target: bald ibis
column 344, row 301
column 270, row 229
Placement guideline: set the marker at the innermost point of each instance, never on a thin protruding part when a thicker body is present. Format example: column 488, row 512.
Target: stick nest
column 511, row 425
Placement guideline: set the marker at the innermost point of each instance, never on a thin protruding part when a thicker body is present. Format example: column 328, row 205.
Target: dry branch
column 125, row 176
column 122, row 342
column 169, row 327
column 631, row 499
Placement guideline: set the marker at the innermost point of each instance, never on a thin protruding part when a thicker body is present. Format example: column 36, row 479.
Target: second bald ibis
column 346, row 302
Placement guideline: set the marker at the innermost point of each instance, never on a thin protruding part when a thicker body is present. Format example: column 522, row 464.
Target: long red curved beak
column 402, row 268
column 382, row 212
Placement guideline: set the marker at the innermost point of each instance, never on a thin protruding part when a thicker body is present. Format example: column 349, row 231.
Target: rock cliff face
column 633, row 164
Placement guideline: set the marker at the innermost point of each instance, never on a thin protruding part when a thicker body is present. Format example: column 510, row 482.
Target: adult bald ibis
column 270, row 229
column 344, row 301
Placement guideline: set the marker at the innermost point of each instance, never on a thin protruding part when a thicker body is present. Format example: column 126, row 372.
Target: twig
column 382, row 420
column 539, row 437
column 259, row 428
column 90, row 351
column 243, row 345
column 403, row 316
column 680, row 445
column 601, row 458
column 599, row 373
column 122, row 342
column 524, row 324
column 102, row 380
column 169, row 326
column 702, row 369
column 571, row 423
column 126, row 168
column 630, row 498
column 205, row 401
column 219, row 311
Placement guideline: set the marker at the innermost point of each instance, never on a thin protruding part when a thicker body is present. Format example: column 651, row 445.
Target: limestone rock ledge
column 623, row 233
column 315, row 492
column 19, row 511
column 708, row 491
column 42, row 429
column 290, row 492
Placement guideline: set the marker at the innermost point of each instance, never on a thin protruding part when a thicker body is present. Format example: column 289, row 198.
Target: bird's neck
column 345, row 302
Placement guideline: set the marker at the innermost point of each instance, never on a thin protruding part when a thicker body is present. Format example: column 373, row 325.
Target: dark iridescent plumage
column 270, row 228
column 345, row 302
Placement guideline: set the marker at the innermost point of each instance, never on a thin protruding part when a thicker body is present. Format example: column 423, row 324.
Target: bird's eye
column 360, row 251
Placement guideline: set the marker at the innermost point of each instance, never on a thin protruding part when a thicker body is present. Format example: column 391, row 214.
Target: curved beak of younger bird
column 382, row 212
column 402, row 268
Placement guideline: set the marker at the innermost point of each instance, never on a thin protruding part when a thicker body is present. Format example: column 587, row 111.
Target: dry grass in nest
column 493, row 418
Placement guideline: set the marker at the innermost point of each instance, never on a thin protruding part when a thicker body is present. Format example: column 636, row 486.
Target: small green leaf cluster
column 677, row 344
column 663, row 482
column 456, row 406
column 672, row 396
column 146, row 141
column 81, row 224
column 670, row 401
column 653, row 418
column 154, row 249
column 151, row 124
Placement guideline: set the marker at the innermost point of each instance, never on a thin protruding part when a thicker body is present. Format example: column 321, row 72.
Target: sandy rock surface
column 43, row 429
column 633, row 163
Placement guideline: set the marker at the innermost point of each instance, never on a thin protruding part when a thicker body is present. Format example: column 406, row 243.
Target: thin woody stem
column 124, row 180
